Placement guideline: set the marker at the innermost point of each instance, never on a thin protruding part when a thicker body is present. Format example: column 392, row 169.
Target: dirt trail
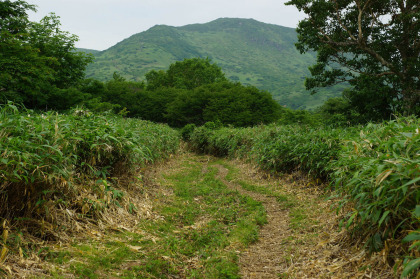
column 263, row 259
column 302, row 239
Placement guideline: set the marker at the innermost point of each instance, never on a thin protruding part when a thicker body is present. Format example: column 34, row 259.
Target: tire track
column 263, row 259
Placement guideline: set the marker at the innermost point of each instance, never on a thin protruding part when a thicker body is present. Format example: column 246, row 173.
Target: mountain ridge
column 248, row 51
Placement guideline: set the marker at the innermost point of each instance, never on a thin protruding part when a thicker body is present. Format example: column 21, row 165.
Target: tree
column 372, row 44
column 13, row 16
column 21, row 68
column 224, row 102
column 156, row 79
column 241, row 106
column 187, row 74
column 36, row 58
column 126, row 94
column 67, row 63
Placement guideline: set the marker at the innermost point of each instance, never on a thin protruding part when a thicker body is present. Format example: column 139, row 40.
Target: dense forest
column 69, row 143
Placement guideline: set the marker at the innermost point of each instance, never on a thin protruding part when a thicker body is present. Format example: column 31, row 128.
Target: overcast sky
column 101, row 24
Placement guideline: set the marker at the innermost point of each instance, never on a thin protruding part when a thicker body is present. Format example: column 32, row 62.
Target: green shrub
column 379, row 171
column 50, row 156
column 187, row 130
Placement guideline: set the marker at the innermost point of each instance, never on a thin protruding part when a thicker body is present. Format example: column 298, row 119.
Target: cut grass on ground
column 201, row 228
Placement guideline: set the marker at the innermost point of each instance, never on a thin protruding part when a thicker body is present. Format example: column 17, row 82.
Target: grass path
column 263, row 258
column 201, row 217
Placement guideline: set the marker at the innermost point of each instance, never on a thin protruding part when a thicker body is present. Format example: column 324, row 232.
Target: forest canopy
column 37, row 59
column 373, row 45
column 192, row 91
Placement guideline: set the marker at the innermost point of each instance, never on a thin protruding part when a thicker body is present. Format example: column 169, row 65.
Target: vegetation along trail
column 205, row 217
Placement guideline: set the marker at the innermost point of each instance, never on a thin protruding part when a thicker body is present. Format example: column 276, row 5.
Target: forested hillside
column 248, row 51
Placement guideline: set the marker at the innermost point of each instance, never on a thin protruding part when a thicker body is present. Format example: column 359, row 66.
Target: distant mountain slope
column 92, row 51
column 248, row 51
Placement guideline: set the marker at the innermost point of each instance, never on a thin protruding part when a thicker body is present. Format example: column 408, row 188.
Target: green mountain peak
column 248, row 51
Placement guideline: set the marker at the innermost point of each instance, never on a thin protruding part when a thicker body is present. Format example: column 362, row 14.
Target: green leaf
column 410, row 267
column 383, row 217
column 15, row 109
column 414, row 246
column 411, row 182
column 412, row 237
column 350, row 221
column 416, row 211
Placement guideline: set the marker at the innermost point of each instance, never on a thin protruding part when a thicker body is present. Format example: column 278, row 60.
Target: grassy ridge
column 52, row 158
column 375, row 167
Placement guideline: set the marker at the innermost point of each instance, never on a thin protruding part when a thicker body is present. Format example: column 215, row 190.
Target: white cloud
column 102, row 23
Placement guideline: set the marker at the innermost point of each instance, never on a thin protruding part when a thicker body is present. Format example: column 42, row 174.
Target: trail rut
column 263, row 258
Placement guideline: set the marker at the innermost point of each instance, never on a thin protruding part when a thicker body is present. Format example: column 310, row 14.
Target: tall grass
column 375, row 167
column 52, row 158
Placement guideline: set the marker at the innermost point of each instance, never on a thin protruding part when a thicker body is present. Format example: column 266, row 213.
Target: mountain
column 91, row 51
column 247, row 50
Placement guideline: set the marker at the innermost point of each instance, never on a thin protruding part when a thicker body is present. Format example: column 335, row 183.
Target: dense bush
column 187, row 130
column 51, row 154
column 223, row 101
column 379, row 171
column 227, row 102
